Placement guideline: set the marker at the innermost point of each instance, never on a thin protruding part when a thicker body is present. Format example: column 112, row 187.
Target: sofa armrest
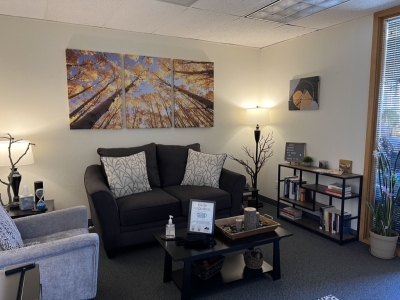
column 52, row 222
column 40, row 252
column 233, row 183
column 103, row 208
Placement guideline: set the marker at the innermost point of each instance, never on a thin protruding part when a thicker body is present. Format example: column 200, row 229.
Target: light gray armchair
column 66, row 252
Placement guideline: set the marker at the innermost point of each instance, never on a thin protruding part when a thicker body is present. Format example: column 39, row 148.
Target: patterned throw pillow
column 203, row 169
column 127, row 175
column 10, row 238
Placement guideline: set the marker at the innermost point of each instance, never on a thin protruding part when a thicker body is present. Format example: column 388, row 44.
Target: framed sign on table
column 201, row 217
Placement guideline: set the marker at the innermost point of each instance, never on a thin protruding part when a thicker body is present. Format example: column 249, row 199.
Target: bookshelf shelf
column 314, row 189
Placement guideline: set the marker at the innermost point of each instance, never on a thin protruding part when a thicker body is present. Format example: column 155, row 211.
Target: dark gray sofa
column 132, row 220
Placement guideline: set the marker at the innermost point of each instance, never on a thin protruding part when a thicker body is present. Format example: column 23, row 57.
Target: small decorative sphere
column 41, row 205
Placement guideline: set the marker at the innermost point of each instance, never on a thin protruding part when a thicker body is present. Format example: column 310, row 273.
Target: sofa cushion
column 151, row 159
column 203, row 169
column 186, row 192
column 126, row 175
column 171, row 161
column 147, row 207
column 10, row 238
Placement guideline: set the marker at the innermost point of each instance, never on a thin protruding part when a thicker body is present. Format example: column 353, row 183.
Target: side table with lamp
column 12, row 153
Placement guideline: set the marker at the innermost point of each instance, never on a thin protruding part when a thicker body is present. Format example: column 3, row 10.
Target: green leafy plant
column 308, row 159
column 385, row 211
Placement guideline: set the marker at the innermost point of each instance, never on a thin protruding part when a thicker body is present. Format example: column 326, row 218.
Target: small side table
column 17, row 213
column 254, row 195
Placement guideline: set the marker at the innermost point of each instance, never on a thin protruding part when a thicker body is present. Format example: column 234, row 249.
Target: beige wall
column 34, row 106
column 34, row 100
column 340, row 55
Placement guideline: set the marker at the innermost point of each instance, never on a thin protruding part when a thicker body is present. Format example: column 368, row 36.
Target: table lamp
column 257, row 116
column 17, row 149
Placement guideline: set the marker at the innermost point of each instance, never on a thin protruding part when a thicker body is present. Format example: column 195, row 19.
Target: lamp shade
column 17, row 149
column 257, row 115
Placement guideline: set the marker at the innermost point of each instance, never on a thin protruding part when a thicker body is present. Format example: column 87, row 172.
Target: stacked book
column 291, row 213
column 336, row 189
column 292, row 189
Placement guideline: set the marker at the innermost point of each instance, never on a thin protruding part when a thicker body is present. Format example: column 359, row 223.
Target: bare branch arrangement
column 13, row 165
column 265, row 152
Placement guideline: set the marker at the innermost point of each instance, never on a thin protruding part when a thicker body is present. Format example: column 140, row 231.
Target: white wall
column 341, row 56
column 34, row 106
column 33, row 97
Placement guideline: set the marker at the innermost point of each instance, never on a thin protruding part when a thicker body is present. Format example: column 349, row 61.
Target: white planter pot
column 383, row 246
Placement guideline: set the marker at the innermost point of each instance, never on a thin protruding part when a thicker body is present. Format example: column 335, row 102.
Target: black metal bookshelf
column 313, row 205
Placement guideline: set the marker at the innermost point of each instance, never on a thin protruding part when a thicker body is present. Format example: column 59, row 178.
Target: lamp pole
column 257, row 133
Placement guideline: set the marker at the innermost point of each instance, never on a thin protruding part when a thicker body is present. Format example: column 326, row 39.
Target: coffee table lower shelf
column 234, row 269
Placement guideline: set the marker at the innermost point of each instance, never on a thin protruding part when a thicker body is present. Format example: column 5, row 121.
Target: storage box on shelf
column 333, row 223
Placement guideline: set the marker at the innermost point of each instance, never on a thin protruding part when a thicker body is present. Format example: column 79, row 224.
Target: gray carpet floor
column 312, row 267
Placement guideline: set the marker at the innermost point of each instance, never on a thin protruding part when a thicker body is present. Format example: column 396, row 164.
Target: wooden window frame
column 373, row 99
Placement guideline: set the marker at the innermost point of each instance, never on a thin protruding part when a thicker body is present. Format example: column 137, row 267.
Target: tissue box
column 26, row 202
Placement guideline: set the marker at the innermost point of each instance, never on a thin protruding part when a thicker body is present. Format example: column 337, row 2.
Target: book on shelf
column 322, row 216
column 294, row 188
column 345, row 165
column 338, row 186
column 337, row 193
column 286, row 185
column 285, row 215
column 292, row 211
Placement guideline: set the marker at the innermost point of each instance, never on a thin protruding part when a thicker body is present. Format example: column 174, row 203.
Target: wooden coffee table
column 234, row 267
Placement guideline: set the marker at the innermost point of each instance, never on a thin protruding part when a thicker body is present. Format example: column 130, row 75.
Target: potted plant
column 383, row 238
column 307, row 161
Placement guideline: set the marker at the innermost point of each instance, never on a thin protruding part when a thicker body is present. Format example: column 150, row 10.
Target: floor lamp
column 17, row 150
column 257, row 116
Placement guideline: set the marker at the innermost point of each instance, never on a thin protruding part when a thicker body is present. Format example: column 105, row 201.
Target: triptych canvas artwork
column 111, row 91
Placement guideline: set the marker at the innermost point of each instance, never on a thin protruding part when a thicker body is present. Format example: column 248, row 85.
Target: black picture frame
column 201, row 218
column 295, row 152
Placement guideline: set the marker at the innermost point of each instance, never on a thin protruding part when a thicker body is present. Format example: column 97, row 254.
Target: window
column 384, row 104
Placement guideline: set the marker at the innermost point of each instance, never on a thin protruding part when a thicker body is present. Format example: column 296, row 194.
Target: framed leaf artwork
column 148, row 99
column 303, row 94
column 94, row 89
column 193, row 93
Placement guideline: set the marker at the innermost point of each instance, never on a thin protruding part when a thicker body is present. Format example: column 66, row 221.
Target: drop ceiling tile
column 22, row 8
column 244, row 32
column 284, row 33
column 84, row 12
column 143, row 15
column 194, row 22
column 232, row 7
column 344, row 12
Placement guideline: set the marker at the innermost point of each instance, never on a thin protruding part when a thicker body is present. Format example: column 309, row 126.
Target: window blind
column 388, row 121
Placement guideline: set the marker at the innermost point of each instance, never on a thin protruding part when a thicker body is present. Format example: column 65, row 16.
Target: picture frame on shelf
column 295, row 152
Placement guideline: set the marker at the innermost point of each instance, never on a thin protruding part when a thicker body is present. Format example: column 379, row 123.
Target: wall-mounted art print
column 148, row 87
column 94, row 89
column 193, row 93
column 304, row 94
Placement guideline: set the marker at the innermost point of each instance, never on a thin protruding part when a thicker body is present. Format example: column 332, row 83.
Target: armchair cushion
column 203, row 169
column 10, row 238
column 126, row 175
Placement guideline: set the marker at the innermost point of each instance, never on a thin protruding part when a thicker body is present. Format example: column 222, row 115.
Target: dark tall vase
column 16, row 181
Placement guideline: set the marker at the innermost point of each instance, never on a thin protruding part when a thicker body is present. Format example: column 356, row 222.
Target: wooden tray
column 272, row 225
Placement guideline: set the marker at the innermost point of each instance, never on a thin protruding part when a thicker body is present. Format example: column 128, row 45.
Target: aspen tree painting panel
column 193, row 93
column 148, row 92
column 94, row 89
column 304, row 94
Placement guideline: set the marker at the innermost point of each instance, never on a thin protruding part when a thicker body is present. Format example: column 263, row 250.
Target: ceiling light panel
column 285, row 11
